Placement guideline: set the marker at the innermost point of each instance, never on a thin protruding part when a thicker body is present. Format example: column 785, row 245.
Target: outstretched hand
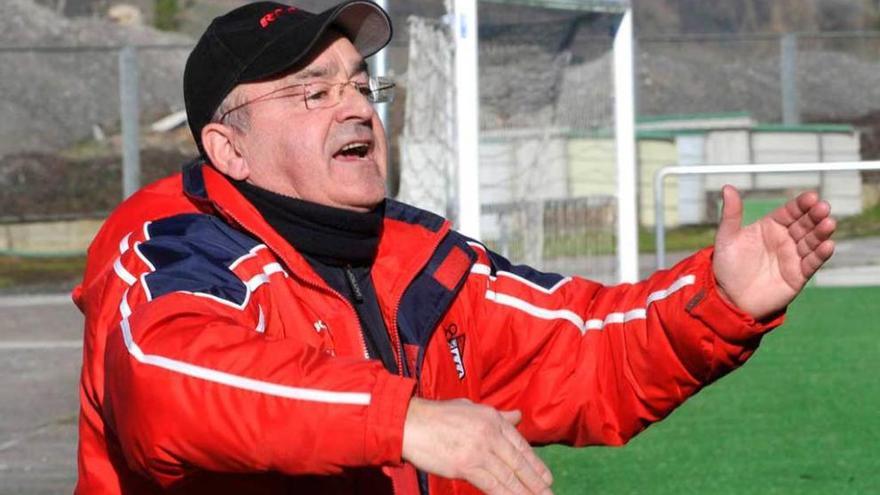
column 762, row 267
column 462, row 440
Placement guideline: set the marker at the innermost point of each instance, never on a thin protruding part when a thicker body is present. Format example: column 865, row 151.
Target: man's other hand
column 462, row 440
column 763, row 266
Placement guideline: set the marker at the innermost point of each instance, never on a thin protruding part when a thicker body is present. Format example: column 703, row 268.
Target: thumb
column 731, row 214
column 512, row 417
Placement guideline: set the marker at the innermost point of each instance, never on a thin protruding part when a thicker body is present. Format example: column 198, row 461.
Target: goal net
column 547, row 144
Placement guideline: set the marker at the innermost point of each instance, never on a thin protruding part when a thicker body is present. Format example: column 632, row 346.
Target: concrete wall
column 48, row 238
column 518, row 165
column 842, row 189
column 592, row 167
column 726, row 148
column 655, row 154
column 691, row 196
column 534, row 164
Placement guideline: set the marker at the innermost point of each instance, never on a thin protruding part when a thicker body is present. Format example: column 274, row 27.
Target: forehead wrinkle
column 326, row 71
column 314, row 72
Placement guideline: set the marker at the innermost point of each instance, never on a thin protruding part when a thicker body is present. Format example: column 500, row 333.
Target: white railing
column 745, row 168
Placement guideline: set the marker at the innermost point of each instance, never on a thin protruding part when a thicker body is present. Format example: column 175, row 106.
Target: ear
column 220, row 145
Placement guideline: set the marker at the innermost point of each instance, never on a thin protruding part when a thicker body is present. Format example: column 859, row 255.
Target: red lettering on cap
column 274, row 15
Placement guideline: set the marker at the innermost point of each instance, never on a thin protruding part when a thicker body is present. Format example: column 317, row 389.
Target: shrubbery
column 36, row 185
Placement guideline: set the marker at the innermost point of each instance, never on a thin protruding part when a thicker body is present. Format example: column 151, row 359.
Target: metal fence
column 791, row 78
column 64, row 112
column 62, row 125
column 574, row 235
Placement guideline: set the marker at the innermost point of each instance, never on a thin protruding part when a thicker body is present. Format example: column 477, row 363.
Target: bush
column 43, row 185
column 166, row 15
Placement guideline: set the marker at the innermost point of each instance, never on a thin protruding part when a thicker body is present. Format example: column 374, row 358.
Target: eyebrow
column 361, row 67
column 314, row 73
column 323, row 71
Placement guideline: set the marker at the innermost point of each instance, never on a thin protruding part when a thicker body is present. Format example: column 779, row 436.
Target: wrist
column 386, row 419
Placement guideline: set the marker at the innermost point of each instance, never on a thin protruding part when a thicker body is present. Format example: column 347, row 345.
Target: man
column 267, row 322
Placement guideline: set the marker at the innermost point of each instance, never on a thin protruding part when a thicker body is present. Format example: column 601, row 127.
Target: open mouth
column 353, row 151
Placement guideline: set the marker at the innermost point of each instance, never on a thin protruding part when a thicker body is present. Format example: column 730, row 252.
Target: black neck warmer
column 331, row 235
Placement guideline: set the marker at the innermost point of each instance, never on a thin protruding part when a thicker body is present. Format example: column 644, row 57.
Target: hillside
column 652, row 17
column 52, row 98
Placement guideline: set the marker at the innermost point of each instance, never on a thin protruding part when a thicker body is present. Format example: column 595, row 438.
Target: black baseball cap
column 264, row 39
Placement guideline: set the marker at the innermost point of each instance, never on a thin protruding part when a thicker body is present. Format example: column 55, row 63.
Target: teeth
column 355, row 146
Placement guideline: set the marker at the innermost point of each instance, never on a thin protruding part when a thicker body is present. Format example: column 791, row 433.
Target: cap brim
column 365, row 24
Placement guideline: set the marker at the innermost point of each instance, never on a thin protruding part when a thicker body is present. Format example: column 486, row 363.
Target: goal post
column 501, row 160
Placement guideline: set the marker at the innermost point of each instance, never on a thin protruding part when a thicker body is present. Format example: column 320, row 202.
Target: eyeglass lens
column 324, row 95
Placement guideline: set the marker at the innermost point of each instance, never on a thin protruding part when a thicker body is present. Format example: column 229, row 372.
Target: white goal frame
column 465, row 33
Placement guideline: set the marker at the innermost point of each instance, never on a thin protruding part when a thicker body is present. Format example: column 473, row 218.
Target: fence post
column 129, row 115
column 791, row 112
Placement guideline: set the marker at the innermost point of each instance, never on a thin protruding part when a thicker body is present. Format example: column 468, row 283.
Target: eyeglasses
column 326, row 95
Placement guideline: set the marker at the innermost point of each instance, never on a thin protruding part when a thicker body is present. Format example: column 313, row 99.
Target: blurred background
column 91, row 107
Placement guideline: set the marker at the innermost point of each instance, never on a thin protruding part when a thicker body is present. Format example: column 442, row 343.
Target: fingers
column 486, row 480
column 794, row 209
column 512, row 417
column 815, row 237
column 507, row 469
column 463, row 440
column 809, row 220
column 811, row 231
column 509, row 478
column 513, row 436
column 520, row 456
column 813, row 261
column 731, row 213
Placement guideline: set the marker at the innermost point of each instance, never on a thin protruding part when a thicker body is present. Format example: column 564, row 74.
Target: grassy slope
column 799, row 418
column 694, row 237
column 46, row 273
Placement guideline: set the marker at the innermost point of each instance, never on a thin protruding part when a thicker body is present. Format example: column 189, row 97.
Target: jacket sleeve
column 594, row 364
column 190, row 385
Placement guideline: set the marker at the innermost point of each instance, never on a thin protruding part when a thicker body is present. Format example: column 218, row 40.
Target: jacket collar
column 409, row 236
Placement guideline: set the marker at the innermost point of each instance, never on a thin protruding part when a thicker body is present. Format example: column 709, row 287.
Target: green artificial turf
column 755, row 209
column 802, row 417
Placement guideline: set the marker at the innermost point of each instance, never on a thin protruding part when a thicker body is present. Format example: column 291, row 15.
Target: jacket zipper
column 348, row 304
column 395, row 334
column 313, row 285
column 353, row 284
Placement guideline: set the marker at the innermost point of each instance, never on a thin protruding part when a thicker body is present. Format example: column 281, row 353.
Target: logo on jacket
column 456, row 348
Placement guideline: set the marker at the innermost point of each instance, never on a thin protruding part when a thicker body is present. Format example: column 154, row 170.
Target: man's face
column 317, row 155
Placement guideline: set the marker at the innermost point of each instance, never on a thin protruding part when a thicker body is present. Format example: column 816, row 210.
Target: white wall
column 842, row 189
column 691, row 193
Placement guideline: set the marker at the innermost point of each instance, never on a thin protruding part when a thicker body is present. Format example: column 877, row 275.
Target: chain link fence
column 827, row 77
column 60, row 139
column 547, row 143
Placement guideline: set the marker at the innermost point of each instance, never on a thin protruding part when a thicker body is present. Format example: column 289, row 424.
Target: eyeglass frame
column 375, row 86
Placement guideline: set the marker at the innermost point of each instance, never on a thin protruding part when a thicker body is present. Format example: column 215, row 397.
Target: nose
column 353, row 104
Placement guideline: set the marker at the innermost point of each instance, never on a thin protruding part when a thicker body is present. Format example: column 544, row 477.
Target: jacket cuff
column 727, row 320
column 386, row 415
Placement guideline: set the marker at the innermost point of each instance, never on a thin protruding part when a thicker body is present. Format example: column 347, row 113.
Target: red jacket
column 217, row 361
